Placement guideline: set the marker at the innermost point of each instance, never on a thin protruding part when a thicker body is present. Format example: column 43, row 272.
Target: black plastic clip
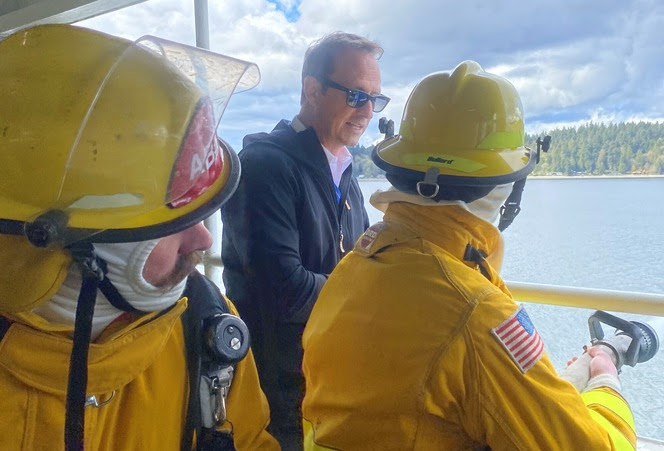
column 509, row 211
column 543, row 145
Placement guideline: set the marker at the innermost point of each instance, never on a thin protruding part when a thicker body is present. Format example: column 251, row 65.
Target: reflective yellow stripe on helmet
column 309, row 440
column 502, row 140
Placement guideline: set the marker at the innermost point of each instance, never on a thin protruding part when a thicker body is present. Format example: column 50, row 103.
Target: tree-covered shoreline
column 631, row 148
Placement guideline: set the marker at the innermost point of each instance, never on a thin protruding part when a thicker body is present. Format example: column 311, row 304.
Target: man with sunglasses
column 296, row 213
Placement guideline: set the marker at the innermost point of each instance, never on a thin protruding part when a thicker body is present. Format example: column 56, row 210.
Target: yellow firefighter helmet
column 106, row 140
column 464, row 127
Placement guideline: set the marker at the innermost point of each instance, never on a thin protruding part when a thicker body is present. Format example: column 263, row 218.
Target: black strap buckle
column 509, row 211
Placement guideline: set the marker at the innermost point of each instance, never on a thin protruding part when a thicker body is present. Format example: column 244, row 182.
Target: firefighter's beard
column 184, row 265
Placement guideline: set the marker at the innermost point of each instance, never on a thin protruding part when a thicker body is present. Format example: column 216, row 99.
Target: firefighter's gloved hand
column 578, row 371
column 593, row 369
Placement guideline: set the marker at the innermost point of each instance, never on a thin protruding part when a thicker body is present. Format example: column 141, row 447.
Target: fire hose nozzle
column 634, row 342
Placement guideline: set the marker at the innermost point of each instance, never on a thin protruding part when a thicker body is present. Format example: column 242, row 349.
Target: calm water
column 595, row 233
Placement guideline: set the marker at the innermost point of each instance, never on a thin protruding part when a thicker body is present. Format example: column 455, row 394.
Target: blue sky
column 291, row 10
column 572, row 61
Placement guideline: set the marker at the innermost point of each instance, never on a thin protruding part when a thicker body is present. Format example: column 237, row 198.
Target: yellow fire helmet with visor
column 105, row 140
column 461, row 134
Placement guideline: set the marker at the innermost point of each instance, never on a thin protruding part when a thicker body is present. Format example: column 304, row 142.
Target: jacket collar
column 307, row 149
column 41, row 359
column 450, row 227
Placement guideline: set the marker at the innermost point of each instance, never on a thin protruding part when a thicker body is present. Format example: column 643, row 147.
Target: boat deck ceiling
column 16, row 14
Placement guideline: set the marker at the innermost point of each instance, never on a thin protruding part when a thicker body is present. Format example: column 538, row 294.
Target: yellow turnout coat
column 405, row 350
column 138, row 366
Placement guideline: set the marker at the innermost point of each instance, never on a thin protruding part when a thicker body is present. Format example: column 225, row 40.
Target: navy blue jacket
column 283, row 233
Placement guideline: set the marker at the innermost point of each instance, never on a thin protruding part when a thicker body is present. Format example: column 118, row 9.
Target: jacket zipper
column 343, row 203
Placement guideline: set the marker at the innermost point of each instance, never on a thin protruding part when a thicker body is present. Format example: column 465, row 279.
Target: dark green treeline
column 592, row 149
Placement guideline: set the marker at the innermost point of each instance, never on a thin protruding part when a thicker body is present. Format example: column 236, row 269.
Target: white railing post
column 212, row 263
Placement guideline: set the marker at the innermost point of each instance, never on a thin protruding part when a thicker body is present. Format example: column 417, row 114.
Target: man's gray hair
column 320, row 57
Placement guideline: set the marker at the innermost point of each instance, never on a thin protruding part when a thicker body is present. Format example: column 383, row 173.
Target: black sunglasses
column 357, row 99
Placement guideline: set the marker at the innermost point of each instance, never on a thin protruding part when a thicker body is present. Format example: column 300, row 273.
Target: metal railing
column 592, row 298
column 560, row 295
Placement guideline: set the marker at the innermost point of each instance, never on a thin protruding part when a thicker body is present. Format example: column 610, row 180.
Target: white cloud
column 572, row 61
column 169, row 19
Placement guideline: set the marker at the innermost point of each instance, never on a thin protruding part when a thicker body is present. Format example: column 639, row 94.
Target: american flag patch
column 519, row 337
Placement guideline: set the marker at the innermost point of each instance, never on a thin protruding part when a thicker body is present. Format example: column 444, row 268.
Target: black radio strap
column 205, row 300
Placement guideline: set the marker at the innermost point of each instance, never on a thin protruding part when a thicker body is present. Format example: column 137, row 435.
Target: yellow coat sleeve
column 609, row 409
column 509, row 409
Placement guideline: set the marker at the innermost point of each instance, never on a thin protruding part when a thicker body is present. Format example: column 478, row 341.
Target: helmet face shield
column 218, row 76
column 134, row 143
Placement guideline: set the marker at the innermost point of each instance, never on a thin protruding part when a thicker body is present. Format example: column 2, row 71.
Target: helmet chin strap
column 92, row 274
column 512, row 205
column 112, row 293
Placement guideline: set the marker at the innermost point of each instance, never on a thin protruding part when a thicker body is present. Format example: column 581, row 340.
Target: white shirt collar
column 338, row 164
